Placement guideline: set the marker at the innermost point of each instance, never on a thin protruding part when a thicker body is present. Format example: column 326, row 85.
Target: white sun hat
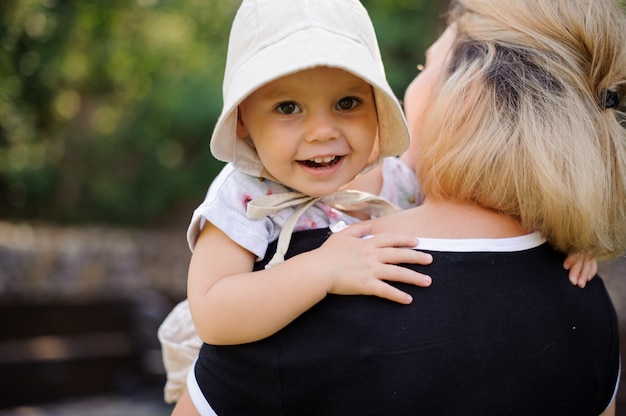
column 273, row 38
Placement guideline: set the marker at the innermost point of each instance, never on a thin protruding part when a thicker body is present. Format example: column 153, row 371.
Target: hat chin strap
column 349, row 200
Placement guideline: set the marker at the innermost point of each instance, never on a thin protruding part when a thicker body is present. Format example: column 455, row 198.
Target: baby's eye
column 348, row 103
column 288, row 107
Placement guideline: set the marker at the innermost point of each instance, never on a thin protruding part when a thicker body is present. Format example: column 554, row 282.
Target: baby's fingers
column 574, row 271
column 406, row 275
column 399, row 274
column 587, row 272
column 393, row 240
column 581, row 268
column 403, row 255
column 387, row 291
column 395, row 273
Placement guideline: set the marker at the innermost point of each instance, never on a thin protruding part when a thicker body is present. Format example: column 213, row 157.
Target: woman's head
column 517, row 121
column 271, row 39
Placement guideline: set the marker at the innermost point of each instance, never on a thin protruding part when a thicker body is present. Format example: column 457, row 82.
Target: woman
column 522, row 157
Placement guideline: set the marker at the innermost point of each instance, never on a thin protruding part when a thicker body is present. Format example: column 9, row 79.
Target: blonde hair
column 518, row 124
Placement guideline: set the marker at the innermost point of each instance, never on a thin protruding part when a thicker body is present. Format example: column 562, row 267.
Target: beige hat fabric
column 273, row 38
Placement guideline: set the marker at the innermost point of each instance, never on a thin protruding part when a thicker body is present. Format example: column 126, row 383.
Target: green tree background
column 106, row 107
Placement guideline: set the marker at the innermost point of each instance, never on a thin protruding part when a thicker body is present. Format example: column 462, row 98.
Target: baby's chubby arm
column 231, row 304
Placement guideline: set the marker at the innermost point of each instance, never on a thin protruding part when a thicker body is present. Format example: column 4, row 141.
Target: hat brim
column 304, row 49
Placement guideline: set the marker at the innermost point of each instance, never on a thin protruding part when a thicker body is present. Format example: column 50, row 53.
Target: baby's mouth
column 322, row 162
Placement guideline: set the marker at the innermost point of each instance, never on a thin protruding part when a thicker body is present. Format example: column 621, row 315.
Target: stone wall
column 43, row 263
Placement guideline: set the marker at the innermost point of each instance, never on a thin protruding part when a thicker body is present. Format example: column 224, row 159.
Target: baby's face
column 314, row 130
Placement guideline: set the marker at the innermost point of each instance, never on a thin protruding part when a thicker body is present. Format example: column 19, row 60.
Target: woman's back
column 496, row 333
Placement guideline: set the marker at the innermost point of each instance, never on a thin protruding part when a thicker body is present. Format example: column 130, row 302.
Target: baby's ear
column 242, row 130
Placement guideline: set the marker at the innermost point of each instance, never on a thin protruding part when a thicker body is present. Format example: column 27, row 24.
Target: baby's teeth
column 323, row 159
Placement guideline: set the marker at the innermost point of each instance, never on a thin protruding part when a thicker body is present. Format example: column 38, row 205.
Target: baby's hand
column 582, row 268
column 360, row 265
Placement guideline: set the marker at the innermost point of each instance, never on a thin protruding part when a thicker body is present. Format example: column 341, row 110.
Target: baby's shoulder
column 231, row 181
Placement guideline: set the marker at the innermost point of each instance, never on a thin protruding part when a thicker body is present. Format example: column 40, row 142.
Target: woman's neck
column 450, row 219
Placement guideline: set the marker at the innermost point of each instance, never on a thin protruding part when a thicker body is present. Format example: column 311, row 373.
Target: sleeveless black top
column 495, row 334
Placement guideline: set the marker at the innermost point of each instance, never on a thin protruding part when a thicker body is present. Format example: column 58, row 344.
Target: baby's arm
column 582, row 268
column 233, row 305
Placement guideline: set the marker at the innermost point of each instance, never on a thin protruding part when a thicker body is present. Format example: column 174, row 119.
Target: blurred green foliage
column 106, row 107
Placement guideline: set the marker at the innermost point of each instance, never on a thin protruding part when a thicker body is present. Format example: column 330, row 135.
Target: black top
column 495, row 334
